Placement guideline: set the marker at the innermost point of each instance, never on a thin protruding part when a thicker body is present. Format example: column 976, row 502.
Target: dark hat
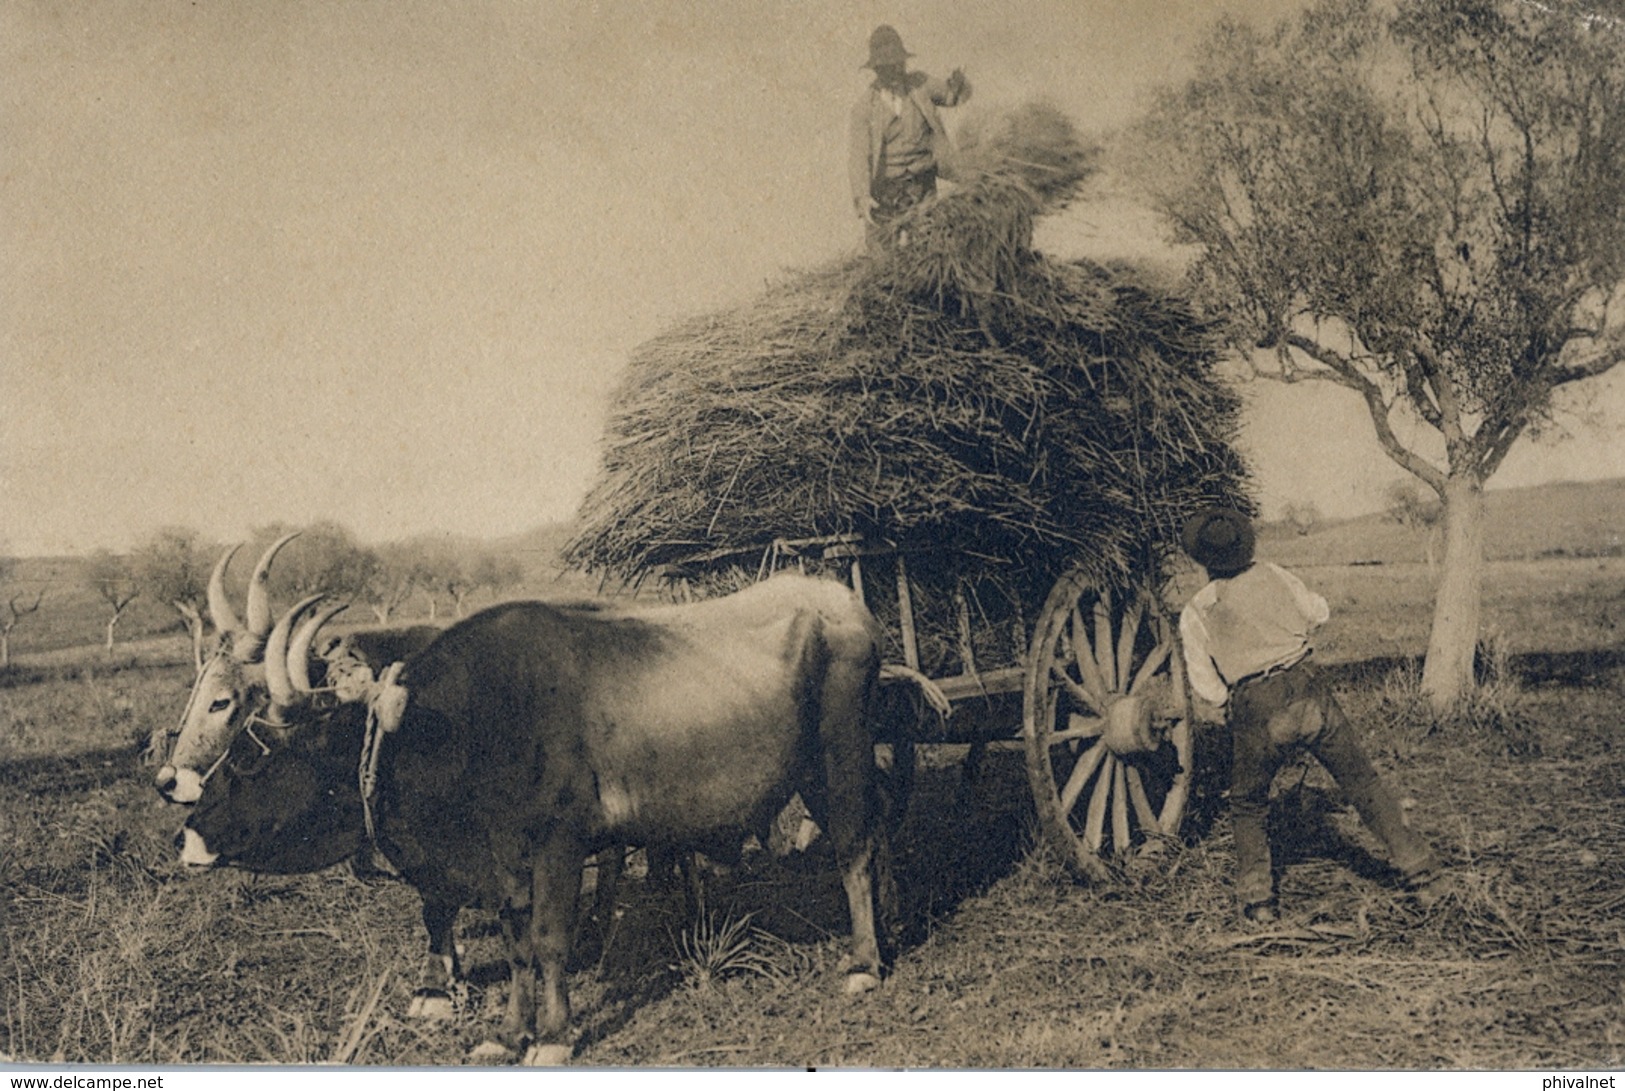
column 1219, row 539
column 886, row 47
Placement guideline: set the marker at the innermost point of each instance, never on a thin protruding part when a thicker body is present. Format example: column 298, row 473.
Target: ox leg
column 433, row 997
column 849, row 799
column 556, row 886
column 514, row 1030
column 593, row 932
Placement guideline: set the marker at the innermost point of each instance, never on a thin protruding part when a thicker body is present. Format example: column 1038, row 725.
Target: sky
column 381, row 261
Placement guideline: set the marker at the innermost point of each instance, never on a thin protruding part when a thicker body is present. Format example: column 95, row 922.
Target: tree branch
column 1348, row 374
column 1589, row 368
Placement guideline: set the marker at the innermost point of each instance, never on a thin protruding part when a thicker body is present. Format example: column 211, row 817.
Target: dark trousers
column 1273, row 718
column 893, row 197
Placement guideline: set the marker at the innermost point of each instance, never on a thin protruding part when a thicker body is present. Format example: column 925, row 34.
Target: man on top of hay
column 1246, row 640
column 898, row 139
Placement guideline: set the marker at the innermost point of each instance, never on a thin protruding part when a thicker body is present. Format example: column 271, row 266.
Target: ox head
column 283, row 801
column 284, row 797
column 228, row 687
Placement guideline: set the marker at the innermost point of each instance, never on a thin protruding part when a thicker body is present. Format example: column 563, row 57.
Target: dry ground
column 110, row 955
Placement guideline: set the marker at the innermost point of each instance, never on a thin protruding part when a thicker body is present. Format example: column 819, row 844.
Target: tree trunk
column 193, row 622
column 111, row 622
column 1447, row 673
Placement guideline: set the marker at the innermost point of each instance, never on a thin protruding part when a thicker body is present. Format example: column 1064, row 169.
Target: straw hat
column 886, row 47
column 1219, row 539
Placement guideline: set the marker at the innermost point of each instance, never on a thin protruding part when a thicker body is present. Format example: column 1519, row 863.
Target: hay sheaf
column 997, row 415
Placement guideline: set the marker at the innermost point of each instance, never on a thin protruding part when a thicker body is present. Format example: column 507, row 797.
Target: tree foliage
column 1423, row 205
column 172, row 567
column 1426, row 210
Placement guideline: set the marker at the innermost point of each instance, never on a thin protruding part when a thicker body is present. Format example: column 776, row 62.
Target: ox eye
column 220, row 704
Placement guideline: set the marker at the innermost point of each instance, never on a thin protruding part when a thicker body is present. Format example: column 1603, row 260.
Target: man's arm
column 1199, row 669
column 860, row 171
column 950, row 92
column 1312, row 606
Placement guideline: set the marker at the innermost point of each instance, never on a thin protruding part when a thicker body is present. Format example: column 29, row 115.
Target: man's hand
column 866, row 209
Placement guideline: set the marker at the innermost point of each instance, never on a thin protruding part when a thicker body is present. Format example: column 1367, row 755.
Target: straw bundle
column 997, row 415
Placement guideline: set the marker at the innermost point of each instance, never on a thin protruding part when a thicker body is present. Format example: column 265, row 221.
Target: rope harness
column 385, row 708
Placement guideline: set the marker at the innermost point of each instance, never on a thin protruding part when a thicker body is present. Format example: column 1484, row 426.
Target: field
column 112, row 955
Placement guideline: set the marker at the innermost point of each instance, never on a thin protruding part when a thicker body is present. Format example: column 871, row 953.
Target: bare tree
column 173, row 567
column 1304, row 515
column 444, row 571
column 1414, row 511
column 325, row 559
column 114, row 580
column 14, row 612
column 496, row 572
column 398, row 571
column 1422, row 206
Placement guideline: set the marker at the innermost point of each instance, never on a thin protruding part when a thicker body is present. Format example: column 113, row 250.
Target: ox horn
column 277, row 679
column 259, row 600
column 299, row 646
column 220, row 611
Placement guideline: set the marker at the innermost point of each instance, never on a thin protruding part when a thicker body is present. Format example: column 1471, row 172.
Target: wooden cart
column 1105, row 713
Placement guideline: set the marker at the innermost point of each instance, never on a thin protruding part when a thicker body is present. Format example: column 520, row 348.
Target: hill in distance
column 1562, row 519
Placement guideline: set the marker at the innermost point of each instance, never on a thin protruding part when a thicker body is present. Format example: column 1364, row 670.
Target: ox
column 530, row 735
column 230, row 691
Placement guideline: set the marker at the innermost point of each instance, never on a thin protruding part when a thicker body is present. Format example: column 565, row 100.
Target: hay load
column 996, row 415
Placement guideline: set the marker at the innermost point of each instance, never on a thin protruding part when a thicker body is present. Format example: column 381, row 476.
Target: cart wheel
column 1106, row 722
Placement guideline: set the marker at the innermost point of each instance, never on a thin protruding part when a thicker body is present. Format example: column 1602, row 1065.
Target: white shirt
column 1247, row 624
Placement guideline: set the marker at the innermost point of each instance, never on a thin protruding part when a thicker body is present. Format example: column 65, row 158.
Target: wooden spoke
column 1077, row 692
column 1143, row 813
column 1103, row 641
column 1094, row 828
column 1153, row 663
column 1081, row 772
column 1120, row 839
column 1125, row 642
column 1078, row 727
column 1084, row 652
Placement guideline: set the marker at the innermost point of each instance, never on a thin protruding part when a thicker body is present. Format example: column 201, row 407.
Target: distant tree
column 325, row 558
column 1422, row 204
column 173, row 567
column 496, row 572
column 1304, row 515
column 17, row 606
column 1408, row 507
column 445, row 572
column 399, row 569
column 115, row 582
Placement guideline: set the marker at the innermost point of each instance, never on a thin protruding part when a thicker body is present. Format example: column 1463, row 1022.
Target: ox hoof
column 540, row 1056
column 490, row 1051
column 861, row 981
column 431, row 1004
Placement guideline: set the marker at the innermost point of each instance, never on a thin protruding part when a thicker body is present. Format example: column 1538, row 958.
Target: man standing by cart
column 899, row 143
column 1246, row 643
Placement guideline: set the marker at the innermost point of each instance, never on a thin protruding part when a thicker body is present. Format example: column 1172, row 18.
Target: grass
column 109, row 954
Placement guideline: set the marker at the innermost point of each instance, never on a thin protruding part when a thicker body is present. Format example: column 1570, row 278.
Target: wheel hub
column 1128, row 727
